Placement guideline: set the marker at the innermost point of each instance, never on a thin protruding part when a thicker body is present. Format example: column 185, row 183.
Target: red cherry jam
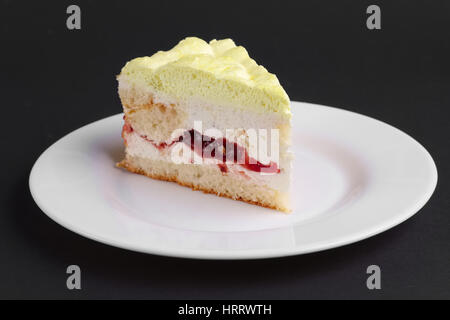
column 223, row 150
column 220, row 149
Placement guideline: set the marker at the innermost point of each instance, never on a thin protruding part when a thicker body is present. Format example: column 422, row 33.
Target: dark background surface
column 54, row 80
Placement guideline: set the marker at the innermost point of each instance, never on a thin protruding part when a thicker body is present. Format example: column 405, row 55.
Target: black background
column 54, row 80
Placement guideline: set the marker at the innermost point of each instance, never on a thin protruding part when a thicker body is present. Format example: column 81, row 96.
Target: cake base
column 208, row 179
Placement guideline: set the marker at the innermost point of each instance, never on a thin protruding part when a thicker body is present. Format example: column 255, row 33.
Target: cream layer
column 137, row 145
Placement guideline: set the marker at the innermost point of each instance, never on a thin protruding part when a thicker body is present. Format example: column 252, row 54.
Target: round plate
column 353, row 177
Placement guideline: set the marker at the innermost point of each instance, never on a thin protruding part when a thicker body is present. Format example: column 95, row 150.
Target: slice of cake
column 207, row 116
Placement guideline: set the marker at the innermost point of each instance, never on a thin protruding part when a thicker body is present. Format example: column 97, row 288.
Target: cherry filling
column 223, row 150
column 127, row 128
column 220, row 149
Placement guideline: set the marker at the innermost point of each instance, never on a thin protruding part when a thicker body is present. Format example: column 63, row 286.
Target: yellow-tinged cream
column 220, row 72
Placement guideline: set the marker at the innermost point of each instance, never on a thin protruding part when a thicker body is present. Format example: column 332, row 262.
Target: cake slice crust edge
column 166, row 171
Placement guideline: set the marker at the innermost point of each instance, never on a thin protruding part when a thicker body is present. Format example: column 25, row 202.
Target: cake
column 207, row 116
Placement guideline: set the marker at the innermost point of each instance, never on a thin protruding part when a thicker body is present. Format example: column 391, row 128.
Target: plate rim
column 250, row 254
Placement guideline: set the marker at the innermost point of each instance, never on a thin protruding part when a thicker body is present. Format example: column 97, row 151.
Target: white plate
column 354, row 177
